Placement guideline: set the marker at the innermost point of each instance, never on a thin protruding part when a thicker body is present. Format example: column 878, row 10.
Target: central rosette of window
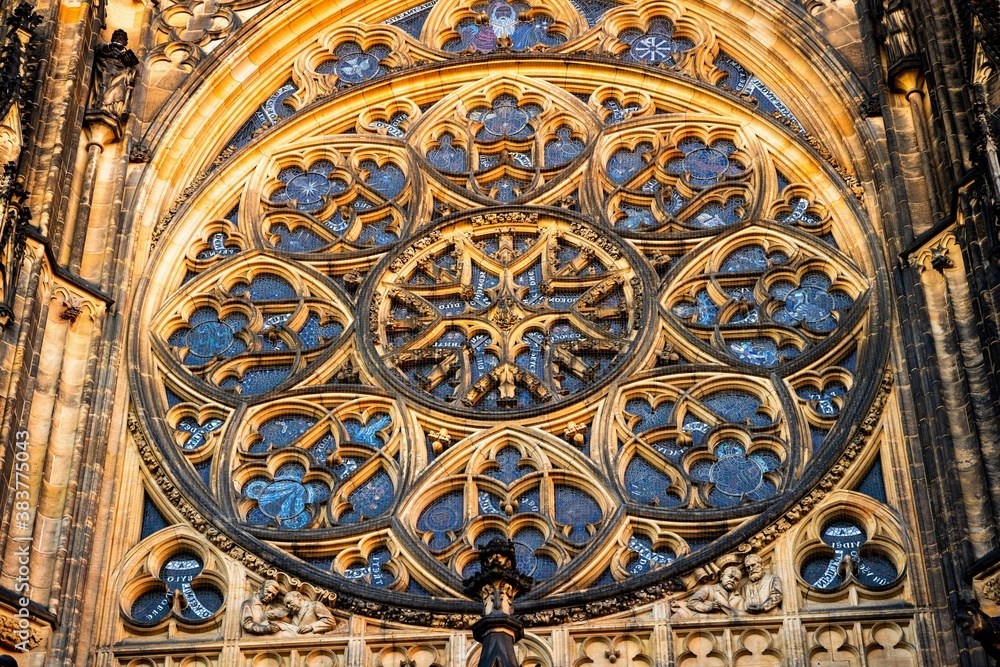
column 507, row 311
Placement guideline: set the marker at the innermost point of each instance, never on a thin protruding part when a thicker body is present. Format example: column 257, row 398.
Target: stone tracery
column 386, row 251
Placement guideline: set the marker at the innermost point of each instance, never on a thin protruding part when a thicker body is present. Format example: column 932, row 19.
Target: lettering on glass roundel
column 506, row 313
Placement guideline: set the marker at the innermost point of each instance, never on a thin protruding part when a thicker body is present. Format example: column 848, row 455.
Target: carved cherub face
column 730, row 577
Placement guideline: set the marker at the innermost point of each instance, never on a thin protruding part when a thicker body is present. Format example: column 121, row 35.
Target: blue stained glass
column 412, row 20
column 198, row 432
column 150, row 607
column 490, row 503
column 822, row 572
column 281, row 431
column 507, row 189
column 736, row 475
column 736, row 406
column 504, row 118
column 736, row 78
column 413, row 588
column 533, row 360
column 445, row 514
column 285, row 498
column 374, row 572
column 696, row 428
column 756, row 351
column 809, row 304
column 526, row 544
column 487, row 536
column 371, row 499
column 173, row 399
column 508, row 20
column 846, row 538
column 670, row 449
column 217, row 247
column 509, row 466
column 748, row 258
column 873, row 483
column 705, row 164
column 377, row 233
column 799, row 214
column 202, row 602
column 715, row 214
column 316, row 332
column 529, row 502
column 308, row 189
column 257, row 380
column 781, row 289
column 648, row 485
column 370, row 432
column 646, row 557
column 703, row 310
column 576, row 509
column 209, row 339
column 357, row 67
column 446, row 156
column 649, row 418
column 618, row 111
column 593, row 10
column 388, row 180
column 817, row 435
column 824, row 402
column 563, row 149
column 266, row 287
column 302, row 239
column 152, row 519
column 606, row 578
column 876, row 570
column 532, row 279
column 625, row 163
column 635, row 218
column 656, row 44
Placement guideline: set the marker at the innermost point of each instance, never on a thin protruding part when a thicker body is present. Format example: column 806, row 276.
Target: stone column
column 497, row 583
column 968, row 458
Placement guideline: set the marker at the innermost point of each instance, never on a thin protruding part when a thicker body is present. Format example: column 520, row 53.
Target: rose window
column 624, row 323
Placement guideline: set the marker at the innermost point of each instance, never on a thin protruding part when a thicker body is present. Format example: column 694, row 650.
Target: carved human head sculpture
column 293, row 601
column 730, row 578
column 755, row 567
column 269, row 590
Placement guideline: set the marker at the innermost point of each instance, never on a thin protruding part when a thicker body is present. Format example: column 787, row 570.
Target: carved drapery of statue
column 114, row 77
column 897, row 33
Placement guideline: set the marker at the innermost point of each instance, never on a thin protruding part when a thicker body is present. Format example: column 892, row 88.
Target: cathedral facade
column 655, row 332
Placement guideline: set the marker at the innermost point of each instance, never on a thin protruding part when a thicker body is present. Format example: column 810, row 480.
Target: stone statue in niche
column 114, row 76
column 722, row 596
column 761, row 592
column 257, row 613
